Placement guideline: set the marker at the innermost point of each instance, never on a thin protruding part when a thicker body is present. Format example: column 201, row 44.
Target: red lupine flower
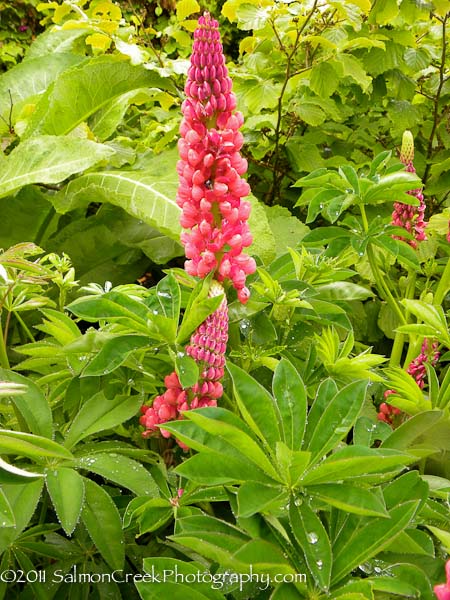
column 207, row 347
column 417, row 370
column 210, row 168
column 442, row 591
column 407, row 216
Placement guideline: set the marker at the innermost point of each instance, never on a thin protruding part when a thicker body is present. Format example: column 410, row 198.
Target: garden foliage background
column 294, row 473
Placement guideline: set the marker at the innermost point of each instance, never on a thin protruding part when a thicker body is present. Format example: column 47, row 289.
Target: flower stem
column 382, row 286
column 399, row 339
column 4, row 361
column 443, row 286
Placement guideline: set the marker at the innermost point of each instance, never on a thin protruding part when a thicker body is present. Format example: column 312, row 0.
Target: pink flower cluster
column 210, row 168
column 417, row 370
column 207, row 347
column 442, row 590
column 407, row 216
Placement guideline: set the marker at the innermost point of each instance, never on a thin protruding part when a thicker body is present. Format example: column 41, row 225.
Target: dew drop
column 313, row 538
column 319, row 564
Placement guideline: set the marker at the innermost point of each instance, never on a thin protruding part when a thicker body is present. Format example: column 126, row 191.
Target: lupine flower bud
column 210, row 167
column 442, row 591
column 417, row 370
column 407, row 216
column 207, row 347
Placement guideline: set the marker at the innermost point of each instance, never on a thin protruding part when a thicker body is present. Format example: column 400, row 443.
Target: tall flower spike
column 207, row 347
column 211, row 188
column 407, row 216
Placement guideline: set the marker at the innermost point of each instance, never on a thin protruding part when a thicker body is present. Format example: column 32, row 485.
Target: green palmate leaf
column 353, row 461
column 431, row 315
column 48, row 159
column 22, row 499
column 313, row 540
column 101, row 413
column 111, row 306
column 29, row 79
column 150, row 514
column 168, row 295
column 102, row 520
column 350, row 498
column 33, row 446
column 326, row 392
column 7, row 518
column 66, row 489
column 121, row 470
column 401, row 181
column 94, row 83
column 215, row 468
column 413, row 430
column 31, row 404
column 254, row 497
column 337, row 418
column 167, row 568
column 147, row 195
column 113, row 353
column 210, row 420
column 256, row 405
column 366, row 541
column 290, row 396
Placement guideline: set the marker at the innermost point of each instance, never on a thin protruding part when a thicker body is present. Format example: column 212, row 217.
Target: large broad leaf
column 94, row 84
column 48, row 159
column 66, row 489
column 30, row 78
column 102, row 520
column 147, row 195
column 32, row 404
column 100, row 413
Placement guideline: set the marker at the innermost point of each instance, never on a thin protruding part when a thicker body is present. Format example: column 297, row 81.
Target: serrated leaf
column 147, row 195
column 94, row 84
column 311, row 113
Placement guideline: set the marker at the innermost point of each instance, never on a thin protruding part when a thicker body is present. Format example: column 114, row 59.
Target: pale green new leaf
column 94, row 84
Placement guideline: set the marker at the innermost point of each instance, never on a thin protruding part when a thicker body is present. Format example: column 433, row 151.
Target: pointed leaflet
column 337, row 418
column 290, row 395
column 313, row 540
column 66, row 489
column 48, row 159
column 32, row 446
column 102, row 520
column 101, row 413
column 23, row 500
column 350, row 498
column 7, row 518
column 32, row 404
column 256, row 405
column 121, row 470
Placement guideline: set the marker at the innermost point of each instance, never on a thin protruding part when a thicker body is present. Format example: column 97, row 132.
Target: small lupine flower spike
column 442, row 591
column 210, row 168
column 417, row 369
column 207, row 347
column 407, row 216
